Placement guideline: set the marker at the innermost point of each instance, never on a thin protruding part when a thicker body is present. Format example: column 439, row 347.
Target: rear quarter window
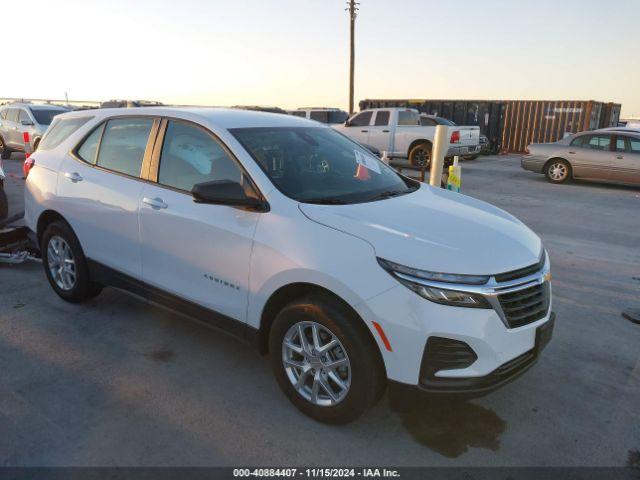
column 60, row 130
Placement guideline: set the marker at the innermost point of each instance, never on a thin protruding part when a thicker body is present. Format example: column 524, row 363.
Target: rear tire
column 361, row 371
column 420, row 155
column 5, row 152
column 65, row 264
column 558, row 171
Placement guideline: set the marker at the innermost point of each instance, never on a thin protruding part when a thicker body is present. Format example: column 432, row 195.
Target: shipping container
column 510, row 125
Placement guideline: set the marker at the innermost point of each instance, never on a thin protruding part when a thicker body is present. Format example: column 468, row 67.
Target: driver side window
column 190, row 155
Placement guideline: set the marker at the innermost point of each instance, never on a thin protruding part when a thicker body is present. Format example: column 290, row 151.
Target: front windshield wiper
column 391, row 193
column 326, row 201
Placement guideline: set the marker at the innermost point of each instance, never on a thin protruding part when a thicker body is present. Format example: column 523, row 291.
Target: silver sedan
column 607, row 155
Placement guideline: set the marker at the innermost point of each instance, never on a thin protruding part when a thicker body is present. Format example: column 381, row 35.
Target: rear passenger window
column 12, row 116
column 299, row 114
column 89, row 147
column 634, row 145
column 190, row 156
column 24, row 116
column 382, row 118
column 123, row 145
column 578, row 141
column 60, row 130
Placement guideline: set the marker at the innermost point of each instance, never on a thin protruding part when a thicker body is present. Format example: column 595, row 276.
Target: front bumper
column 502, row 375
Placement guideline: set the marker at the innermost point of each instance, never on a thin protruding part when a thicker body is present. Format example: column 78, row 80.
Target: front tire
column 558, row 171
column 420, row 155
column 324, row 360
column 65, row 264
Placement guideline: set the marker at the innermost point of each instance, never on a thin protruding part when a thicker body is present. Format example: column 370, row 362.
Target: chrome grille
column 525, row 306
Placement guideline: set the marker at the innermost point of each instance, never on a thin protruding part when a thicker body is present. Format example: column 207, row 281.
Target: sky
column 295, row 53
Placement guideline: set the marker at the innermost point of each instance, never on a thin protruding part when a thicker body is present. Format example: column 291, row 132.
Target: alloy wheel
column 558, row 171
column 316, row 363
column 61, row 263
column 422, row 158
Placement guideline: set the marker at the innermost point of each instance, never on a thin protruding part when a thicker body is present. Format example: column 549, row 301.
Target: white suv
column 289, row 235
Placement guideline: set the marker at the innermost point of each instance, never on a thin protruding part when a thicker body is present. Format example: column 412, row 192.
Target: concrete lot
column 119, row 382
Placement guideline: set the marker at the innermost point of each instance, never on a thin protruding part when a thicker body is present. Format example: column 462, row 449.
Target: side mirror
column 225, row 192
column 26, row 123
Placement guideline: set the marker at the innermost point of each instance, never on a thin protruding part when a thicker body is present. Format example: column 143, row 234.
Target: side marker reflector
column 383, row 336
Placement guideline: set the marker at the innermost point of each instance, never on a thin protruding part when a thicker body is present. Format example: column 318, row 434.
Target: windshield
column 319, row 165
column 44, row 116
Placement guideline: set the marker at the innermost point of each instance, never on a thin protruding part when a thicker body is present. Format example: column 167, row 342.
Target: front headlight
column 435, row 293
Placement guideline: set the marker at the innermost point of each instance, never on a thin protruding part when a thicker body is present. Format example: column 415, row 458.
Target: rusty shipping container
column 510, row 125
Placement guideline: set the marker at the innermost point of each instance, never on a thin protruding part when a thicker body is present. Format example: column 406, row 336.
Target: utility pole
column 353, row 12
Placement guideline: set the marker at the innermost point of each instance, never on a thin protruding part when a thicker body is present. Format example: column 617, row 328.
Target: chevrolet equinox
column 290, row 236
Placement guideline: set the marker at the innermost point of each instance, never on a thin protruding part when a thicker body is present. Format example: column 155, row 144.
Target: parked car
column 399, row 131
column 4, row 202
column 607, row 155
column 289, row 235
column 18, row 118
column 485, row 147
column 323, row 115
column 129, row 103
column 473, row 151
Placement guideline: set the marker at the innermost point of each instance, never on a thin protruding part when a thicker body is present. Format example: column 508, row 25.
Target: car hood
column 437, row 230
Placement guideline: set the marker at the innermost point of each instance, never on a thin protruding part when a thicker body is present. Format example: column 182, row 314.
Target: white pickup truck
column 399, row 132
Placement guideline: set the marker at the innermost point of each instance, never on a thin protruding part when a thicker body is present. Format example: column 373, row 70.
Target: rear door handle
column 364, row 131
column 620, row 157
column 155, row 203
column 572, row 153
column 385, row 131
column 73, row 176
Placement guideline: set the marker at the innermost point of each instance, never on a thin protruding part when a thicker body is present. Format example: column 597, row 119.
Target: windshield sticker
column 367, row 161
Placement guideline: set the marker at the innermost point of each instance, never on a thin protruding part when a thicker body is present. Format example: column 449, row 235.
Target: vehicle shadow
column 446, row 425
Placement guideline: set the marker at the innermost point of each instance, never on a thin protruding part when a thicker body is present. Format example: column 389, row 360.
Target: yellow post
column 438, row 151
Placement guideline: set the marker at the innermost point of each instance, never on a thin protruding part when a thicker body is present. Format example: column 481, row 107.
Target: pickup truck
column 399, row 131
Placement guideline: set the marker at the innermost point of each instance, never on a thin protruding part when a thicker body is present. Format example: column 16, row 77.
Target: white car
column 403, row 134
column 291, row 236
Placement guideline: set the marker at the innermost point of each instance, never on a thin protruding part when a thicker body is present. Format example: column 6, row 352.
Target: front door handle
column 364, row 131
column 385, row 131
column 155, row 203
column 572, row 153
column 620, row 157
column 73, row 176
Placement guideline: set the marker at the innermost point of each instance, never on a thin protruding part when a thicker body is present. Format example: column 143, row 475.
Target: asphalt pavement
column 118, row 382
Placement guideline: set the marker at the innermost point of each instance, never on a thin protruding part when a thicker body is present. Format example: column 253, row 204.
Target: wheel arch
column 415, row 143
column 45, row 219
column 556, row 158
column 293, row 291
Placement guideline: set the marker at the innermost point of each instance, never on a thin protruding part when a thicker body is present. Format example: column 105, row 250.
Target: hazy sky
column 294, row 53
